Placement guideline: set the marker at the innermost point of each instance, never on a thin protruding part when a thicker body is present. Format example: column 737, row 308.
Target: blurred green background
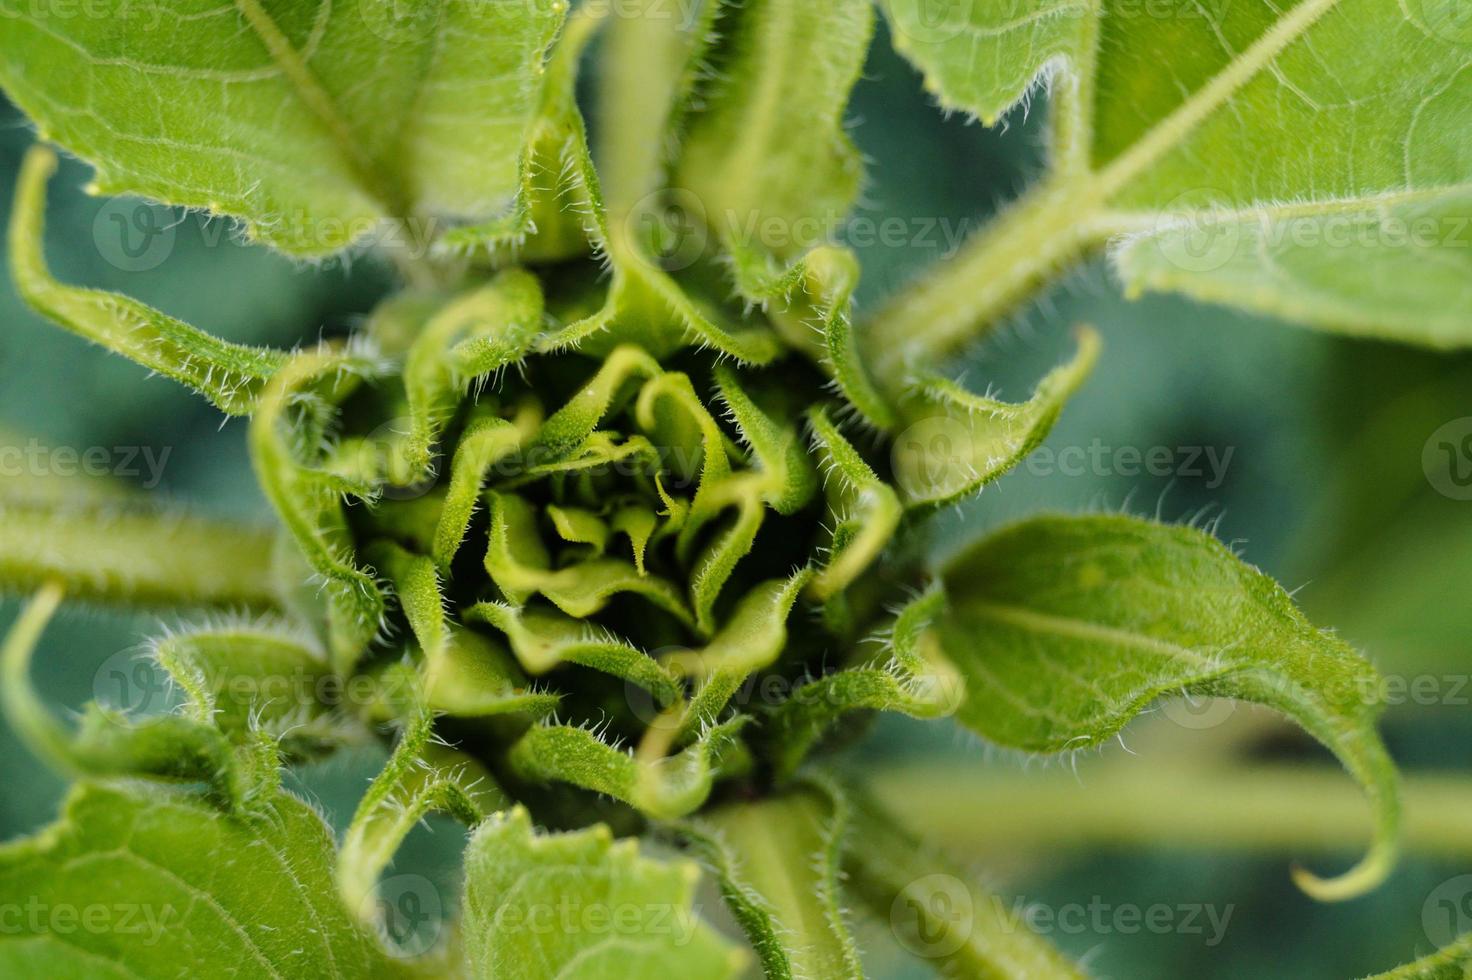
column 1324, row 488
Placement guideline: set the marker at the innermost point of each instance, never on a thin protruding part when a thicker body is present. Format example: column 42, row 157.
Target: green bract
column 610, row 515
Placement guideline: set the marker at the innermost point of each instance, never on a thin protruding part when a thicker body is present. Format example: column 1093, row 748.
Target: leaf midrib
column 373, row 180
column 1082, row 629
column 1167, row 134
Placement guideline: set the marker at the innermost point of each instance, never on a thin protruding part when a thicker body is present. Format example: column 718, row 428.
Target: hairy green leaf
column 420, row 777
column 1309, row 160
column 544, row 639
column 229, row 375
column 766, row 154
column 1066, row 628
column 910, row 675
column 866, row 510
column 665, row 787
column 580, row 905
column 168, row 747
column 311, row 123
column 308, row 501
column 752, row 640
column 252, row 676
column 136, row 880
column 958, row 442
column 650, row 69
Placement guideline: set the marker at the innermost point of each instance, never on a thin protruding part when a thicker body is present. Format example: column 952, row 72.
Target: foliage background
column 1324, row 490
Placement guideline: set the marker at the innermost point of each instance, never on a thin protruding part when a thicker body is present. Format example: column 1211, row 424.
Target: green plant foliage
column 614, row 517
column 582, row 905
column 1308, row 161
column 311, row 124
column 171, row 876
column 1066, row 627
column 1450, row 963
column 783, row 887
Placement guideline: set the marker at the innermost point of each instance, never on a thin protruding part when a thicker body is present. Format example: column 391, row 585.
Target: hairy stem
column 958, row 300
column 141, row 559
column 1259, row 809
column 901, row 879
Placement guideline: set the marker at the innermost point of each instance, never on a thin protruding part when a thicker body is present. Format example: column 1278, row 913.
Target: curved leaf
column 664, row 787
column 1066, row 628
column 229, row 375
column 911, row 676
column 168, row 747
column 958, row 441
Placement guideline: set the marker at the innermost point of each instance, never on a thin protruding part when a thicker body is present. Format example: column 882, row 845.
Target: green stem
column 141, row 559
column 958, row 300
column 932, row 905
column 1205, row 808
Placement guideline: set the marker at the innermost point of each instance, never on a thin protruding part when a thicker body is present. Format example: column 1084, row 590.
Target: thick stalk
column 956, row 302
column 1285, row 808
column 936, row 909
column 136, row 559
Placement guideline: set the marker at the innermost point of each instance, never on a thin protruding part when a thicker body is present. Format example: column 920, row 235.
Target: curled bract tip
column 1363, row 878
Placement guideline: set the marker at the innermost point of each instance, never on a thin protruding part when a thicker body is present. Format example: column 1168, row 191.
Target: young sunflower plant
column 611, row 522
